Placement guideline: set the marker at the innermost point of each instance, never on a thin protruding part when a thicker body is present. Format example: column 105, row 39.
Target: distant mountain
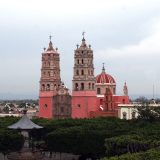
column 11, row 96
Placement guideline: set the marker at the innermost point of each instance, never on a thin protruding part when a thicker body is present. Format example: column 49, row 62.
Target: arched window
column 89, row 85
column 98, row 91
column 49, row 74
column 124, row 115
column 77, row 72
column 76, row 87
column 45, row 106
column 82, row 86
column 114, row 91
column 133, row 114
column 55, row 86
column 43, row 87
column 48, row 87
column 82, row 72
column 77, row 61
column 82, row 61
column 92, row 85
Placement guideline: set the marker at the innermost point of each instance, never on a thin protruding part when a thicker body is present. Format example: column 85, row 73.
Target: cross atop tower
column 103, row 68
column 83, row 33
column 50, row 37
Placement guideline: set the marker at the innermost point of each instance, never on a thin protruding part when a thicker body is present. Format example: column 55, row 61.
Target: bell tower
column 50, row 80
column 83, row 83
column 83, row 74
column 125, row 89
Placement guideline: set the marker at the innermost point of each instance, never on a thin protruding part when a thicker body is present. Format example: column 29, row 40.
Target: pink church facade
column 92, row 96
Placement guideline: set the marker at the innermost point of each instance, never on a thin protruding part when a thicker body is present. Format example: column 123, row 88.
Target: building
column 92, row 96
column 130, row 111
column 54, row 98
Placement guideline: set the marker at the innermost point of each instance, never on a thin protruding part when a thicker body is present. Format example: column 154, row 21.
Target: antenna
column 153, row 92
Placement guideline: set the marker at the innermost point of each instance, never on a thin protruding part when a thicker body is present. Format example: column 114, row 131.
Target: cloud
column 148, row 46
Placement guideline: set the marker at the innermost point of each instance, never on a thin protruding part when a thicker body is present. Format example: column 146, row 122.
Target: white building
column 129, row 111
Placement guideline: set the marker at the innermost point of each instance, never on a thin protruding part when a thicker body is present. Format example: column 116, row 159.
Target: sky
column 124, row 34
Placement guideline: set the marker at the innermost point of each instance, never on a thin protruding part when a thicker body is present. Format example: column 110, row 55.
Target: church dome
column 104, row 77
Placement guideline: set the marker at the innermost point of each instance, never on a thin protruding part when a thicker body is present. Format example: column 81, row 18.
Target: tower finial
column 103, row 68
column 125, row 89
column 50, row 47
column 83, row 33
column 50, row 37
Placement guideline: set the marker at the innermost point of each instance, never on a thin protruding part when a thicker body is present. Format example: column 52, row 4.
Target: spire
column 103, row 68
column 50, row 47
column 83, row 33
column 83, row 40
column 125, row 89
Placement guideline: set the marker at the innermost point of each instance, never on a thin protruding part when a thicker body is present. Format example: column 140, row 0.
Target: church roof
column 50, row 47
column 24, row 124
column 83, row 45
column 104, row 77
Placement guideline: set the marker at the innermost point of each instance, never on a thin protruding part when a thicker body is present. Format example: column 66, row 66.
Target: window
column 114, row 91
column 123, row 101
column 92, row 85
column 78, row 105
column 43, row 87
column 76, row 87
column 82, row 72
column 78, row 61
column 45, row 106
column 48, row 87
column 77, row 72
column 124, row 115
column 133, row 114
column 89, row 86
column 82, row 61
column 82, row 86
column 49, row 74
column 98, row 91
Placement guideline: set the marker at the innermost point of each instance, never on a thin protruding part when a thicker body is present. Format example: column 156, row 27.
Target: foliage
column 153, row 154
column 10, row 141
column 77, row 140
column 126, row 143
column 88, row 136
column 148, row 112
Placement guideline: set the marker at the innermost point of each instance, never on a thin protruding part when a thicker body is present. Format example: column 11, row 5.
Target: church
column 92, row 96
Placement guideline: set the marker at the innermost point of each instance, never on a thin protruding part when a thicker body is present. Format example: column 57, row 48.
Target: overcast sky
column 124, row 34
